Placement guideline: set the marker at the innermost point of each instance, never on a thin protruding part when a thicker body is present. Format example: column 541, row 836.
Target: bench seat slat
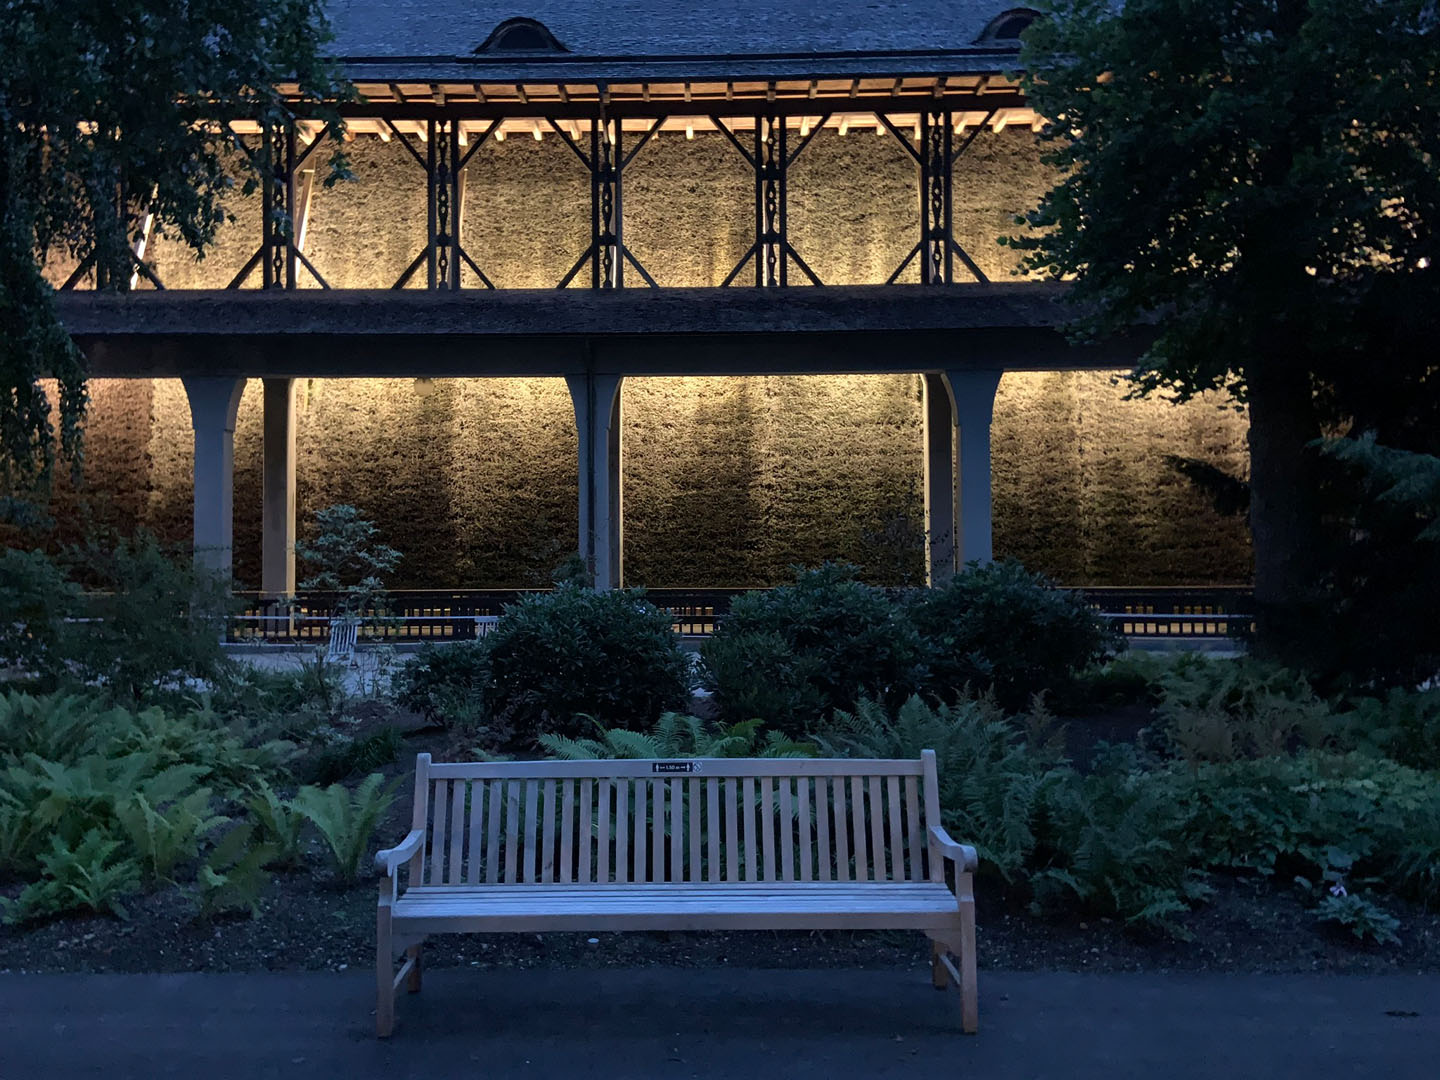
column 884, row 905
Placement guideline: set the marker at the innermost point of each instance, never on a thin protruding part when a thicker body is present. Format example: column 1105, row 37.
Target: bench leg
column 384, row 971
column 939, row 977
column 412, row 981
column 969, row 983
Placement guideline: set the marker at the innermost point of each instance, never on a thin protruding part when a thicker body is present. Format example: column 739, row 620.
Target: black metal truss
column 935, row 156
column 278, row 162
column 770, row 158
column 606, row 162
column 444, row 166
column 769, row 155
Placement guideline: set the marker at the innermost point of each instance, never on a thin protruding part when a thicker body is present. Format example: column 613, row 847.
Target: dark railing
column 423, row 615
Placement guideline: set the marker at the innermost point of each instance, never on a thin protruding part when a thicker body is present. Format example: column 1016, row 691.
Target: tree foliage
column 1256, row 182
column 110, row 112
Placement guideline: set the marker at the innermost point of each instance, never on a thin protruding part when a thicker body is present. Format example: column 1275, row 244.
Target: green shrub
column 991, row 783
column 36, row 599
column 88, row 876
column 446, row 683
column 1001, row 628
column 678, row 736
column 790, row 655
column 1403, row 725
column 557, row 658
column 291, row 703
column 154, row 629
column 758, row 674
column 234, row 877
column 347, row 558
column 1364, row 918
column 1218, row 709
column 346, row 820
column 1116, row 843
column 1287, row 816
column 280, row 827
column 164, row 837
column 348, row 756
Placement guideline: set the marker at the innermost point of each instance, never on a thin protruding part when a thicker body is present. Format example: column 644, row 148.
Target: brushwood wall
column 726, row 481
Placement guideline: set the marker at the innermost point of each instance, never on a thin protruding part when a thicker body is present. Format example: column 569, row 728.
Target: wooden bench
column 703, row 844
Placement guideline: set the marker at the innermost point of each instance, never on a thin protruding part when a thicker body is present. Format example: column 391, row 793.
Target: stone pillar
column 597, row 419
column 277, row 511
column 958, row 409
column 214, row 404
column 940, row 518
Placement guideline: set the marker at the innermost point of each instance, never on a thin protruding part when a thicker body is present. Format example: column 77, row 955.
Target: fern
column 346, row 820
column 234, row 877
column 87, row 876
column 280, row 825
column 165, row 837
column 991, row 786
column 677, row 735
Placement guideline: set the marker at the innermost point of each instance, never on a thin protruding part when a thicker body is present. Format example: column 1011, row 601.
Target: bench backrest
column 710, row 820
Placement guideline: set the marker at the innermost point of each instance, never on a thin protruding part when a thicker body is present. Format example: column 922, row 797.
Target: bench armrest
column 390, row 859
column 962, row 855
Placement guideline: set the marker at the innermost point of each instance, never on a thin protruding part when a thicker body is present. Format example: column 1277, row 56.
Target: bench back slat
column 728, row 821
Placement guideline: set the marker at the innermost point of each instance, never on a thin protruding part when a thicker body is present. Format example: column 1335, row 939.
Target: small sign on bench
column 669, row 768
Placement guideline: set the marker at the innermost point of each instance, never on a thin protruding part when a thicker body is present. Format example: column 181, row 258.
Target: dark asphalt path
column 753, row 1024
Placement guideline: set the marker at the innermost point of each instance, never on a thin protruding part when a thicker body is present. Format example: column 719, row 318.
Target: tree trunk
column 1284, row 521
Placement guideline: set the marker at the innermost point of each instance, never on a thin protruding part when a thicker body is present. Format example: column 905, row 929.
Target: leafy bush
column 36, row 600
column 347, row 755
column 790, row 655
column 557, row 658
column 347, row 558
column 155, row 628
column 279, row 826
column 991, row 784
column 1288, row 815
column 346, row 820
column 1116, row 843
column 1223, row 710
column 446, row 683
column 678, row 736
column 89, row 876
column 163, row 838
column 999, row 627
column 758, row 674
column 233, row 878
column 1403, row 725
column 1363, row 917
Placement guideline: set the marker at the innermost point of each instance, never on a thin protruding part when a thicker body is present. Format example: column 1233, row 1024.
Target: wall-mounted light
column 536, row 132
column 424, row 388
column 499, row 134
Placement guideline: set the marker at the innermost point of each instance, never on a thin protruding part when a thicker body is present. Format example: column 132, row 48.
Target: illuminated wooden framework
column 443, row 125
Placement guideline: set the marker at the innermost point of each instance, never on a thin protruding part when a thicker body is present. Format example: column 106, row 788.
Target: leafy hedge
column 792, row 655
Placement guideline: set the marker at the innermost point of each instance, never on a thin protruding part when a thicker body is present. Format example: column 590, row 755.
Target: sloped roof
column 670, row 38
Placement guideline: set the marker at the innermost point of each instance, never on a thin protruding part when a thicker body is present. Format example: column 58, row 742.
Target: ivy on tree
column 108, row 113
column 1256, row 185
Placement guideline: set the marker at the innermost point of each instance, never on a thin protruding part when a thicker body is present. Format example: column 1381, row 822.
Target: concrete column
column 277, row 511
column 940, row 516
column 214, row 404
column 958, row 409
column 597, row 419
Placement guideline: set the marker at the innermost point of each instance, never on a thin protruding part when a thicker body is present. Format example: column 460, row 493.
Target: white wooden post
column 958, row 524
column 214, row 405
column 597, row 419
column 277, row 564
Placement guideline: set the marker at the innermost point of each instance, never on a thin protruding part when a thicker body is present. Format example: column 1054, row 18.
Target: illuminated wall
column 727, row 481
